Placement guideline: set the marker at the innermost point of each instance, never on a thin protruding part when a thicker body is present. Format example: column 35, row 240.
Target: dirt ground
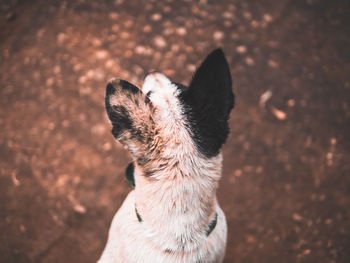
column 286, row 183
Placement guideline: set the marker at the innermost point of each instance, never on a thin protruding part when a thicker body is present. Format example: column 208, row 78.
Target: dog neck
column 178, row 201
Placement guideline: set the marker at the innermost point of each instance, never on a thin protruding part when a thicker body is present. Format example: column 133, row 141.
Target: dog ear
column 129, row 111
column 117, row 113
column 210, row 99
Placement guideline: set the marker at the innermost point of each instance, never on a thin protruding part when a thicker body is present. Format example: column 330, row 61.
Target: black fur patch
column 208, row 102
column 147, row 100
column 139, row 218
column 137, row 134
column 120, row 119
column 143, row 160
column 128, row 86
column 149, row 173
column 123, row 84
column 212, row 225
column 109, row 90
column 129, row 173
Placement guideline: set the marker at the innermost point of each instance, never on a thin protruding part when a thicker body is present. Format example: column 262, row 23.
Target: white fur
column 176, row 204
column 163, row 95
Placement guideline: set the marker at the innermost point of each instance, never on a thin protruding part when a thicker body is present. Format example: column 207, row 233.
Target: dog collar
column 210, row 229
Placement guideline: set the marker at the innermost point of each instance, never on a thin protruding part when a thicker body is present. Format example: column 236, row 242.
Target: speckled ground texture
column 286, row 179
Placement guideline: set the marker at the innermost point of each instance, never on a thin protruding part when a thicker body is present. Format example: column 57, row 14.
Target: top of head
column 162, row 106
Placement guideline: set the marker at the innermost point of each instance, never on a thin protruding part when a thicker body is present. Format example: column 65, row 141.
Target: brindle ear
column 210, row 99
column 118, row 114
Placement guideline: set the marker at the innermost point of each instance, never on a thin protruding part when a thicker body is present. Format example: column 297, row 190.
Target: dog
column 174, row 134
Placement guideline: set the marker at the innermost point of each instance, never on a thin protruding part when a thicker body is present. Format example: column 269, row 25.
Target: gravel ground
column 286, row 181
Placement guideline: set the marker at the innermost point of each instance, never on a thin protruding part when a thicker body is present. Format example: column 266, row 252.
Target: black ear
column 210, row 99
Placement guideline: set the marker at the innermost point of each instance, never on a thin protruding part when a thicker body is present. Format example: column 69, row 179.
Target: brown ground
column 286, row 182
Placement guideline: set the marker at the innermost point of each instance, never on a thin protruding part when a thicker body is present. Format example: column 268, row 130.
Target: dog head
column 170, row 122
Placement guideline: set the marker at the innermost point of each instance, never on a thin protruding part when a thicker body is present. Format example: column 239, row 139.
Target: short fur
column 174, row 134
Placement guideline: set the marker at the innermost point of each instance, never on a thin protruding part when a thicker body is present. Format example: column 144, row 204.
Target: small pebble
column 82, row 79
column 329, row 156
column 109, row 63
column 79, row 209
column 156, row 17
column 218, row 35
column 22, row 228
column 254, row 24
column 272, row 63
column 333, row 141
column 181, row 31
column 124, row 35
column 140, row 50
column 250, row 239
column 147, row 28
column 237, row 172
column 61, row 37
column 159, row 41
column 50, row 81
column 241, row 49
column 297, row 217
column 15, row 181
column 281, row 115
column 191, row 68
column 267, row 18
column 90, row 74
column 227, row 15
column 168, row 31
column 249, row 61
column 101, row 54
column 264, row 98
column 307, row 251
column 291, row 103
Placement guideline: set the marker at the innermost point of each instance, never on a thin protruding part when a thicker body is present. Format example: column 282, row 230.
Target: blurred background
column 286, row 182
